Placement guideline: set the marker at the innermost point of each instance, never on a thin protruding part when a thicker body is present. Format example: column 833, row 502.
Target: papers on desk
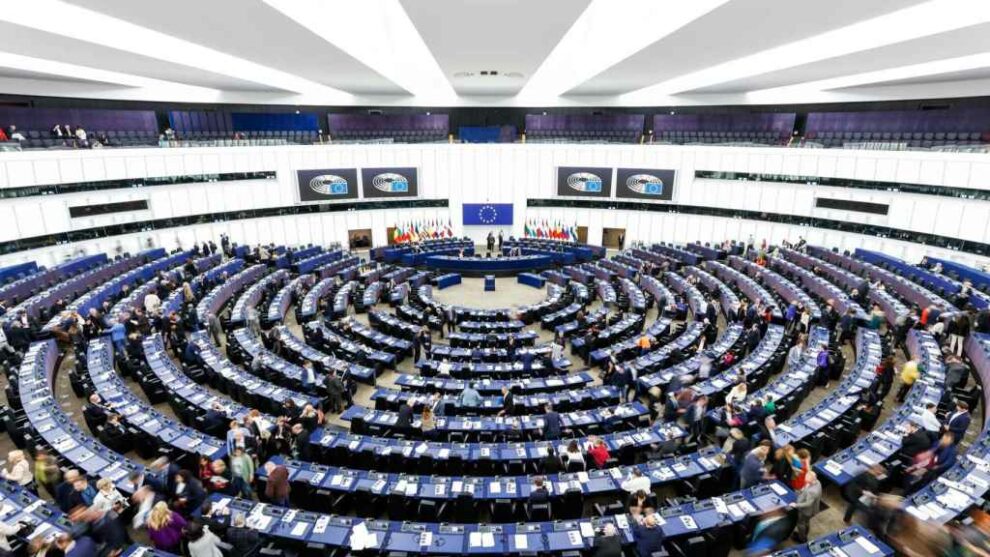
column 689, row 522
column 258, row 521
column 361, row 538
column 867, row 545
column 778, row 489
column 833, row 467
column 299, row 529
column 486, row 539
column 587, row 530
column 321, row 525
column 521, row 541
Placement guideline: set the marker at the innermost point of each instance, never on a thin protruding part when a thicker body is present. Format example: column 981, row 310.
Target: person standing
column 808, row 504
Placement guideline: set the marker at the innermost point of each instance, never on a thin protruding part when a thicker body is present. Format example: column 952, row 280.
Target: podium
column 489, row 283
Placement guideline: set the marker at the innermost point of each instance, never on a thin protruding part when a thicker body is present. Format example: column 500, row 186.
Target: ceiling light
column 602, row 36
column 934, row 67
column 927, row 19
column 60, row 18
column 156, row 88
column 380, row 35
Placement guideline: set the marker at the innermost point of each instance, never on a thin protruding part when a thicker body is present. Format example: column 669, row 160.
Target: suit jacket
column 607, row 546
column 551, row 425
column 405, row 417
column 539, row 496
column 809, row 500
column 916, row 443
column 958, row 424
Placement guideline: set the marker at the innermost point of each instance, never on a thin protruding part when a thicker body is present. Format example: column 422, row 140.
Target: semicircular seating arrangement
column 323, row 403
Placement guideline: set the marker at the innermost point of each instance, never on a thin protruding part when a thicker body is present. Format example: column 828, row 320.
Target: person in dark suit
column 245, row 541
column 539, row 493
column 607, row 543
column 94, row 412
column 405, row 418
column 214, row 419
column 648, row 535
column 551, row 423
column 958, row 422
column 508, row 402
column 188, row 494
column 867, row 483
column 915, row 442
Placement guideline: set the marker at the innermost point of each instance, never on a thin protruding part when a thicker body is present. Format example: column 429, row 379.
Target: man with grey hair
column 808, row 504
column 607, row 542
column 245, row 541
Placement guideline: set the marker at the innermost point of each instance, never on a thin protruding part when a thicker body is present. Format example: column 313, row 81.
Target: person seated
column 95, row 413
column 647, row 533
column 598, row 452
column 114, row 435
column 573, row 459
column 539, row 494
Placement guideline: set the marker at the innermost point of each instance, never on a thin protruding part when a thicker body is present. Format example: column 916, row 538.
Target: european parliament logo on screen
column 584, row 181
column 329, row 184
column 481, row 214
column 645, row 183
column 388, row 182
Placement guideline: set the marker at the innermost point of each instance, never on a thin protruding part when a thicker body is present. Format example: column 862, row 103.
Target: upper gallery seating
column 609, row 128
column 769, row 129
column 400, row 128
column 121, row 127
column 916, row 129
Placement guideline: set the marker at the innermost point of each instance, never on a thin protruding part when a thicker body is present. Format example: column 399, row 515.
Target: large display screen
column 645, row 183
column 584, row 181
column 327, row 184
column 389, row 182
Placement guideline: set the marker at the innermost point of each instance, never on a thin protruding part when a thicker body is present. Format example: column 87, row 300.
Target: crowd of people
column 172, row 504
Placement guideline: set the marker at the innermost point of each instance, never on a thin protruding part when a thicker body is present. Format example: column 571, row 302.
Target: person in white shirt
column 81, row 134
column 929, row 421
column 443, row 369
column 556, row 351
column 737, row 394
column 152, row 303
column 20, row 470
column 5, row 531
column 15, row 135
column 636, row 481
column 794, row 355
column 573, row 454
column 107, row 497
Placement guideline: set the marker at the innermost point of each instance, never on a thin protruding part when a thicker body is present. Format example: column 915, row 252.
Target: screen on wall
column 645, row 183
column 584, row 181
column 389, row 182
column 327, row 184
column 481, row 214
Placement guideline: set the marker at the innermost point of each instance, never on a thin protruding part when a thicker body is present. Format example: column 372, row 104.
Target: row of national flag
column 421, row 230
column 536, row 228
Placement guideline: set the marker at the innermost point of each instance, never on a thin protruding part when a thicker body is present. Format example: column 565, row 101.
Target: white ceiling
column 546, row 52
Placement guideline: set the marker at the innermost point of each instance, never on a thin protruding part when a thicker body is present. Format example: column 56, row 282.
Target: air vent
column 464, row 74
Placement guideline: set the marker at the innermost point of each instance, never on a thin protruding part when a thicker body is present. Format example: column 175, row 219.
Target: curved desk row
column 488, row 265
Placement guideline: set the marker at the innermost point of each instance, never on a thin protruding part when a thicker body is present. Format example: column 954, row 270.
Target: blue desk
column 302, row 352
column 138, row 414
column 601, row 419
column 843, row 399
column 448, row 280
column 489, row 283
column 486, row 265
column 530, row 279
column 884, row 442
column 307, row 477
column 295, row 527
column 649, row 366
column 854, row 541
column 526, row 385
column 590, row 397
column 58, row 430
column 365, row 451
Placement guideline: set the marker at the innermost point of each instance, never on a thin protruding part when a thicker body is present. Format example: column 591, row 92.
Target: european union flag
column 485, row 214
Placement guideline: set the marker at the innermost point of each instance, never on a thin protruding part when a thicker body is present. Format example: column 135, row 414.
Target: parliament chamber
column 427, row 277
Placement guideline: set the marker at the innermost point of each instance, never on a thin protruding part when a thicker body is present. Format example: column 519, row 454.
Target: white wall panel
column 503, row 173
